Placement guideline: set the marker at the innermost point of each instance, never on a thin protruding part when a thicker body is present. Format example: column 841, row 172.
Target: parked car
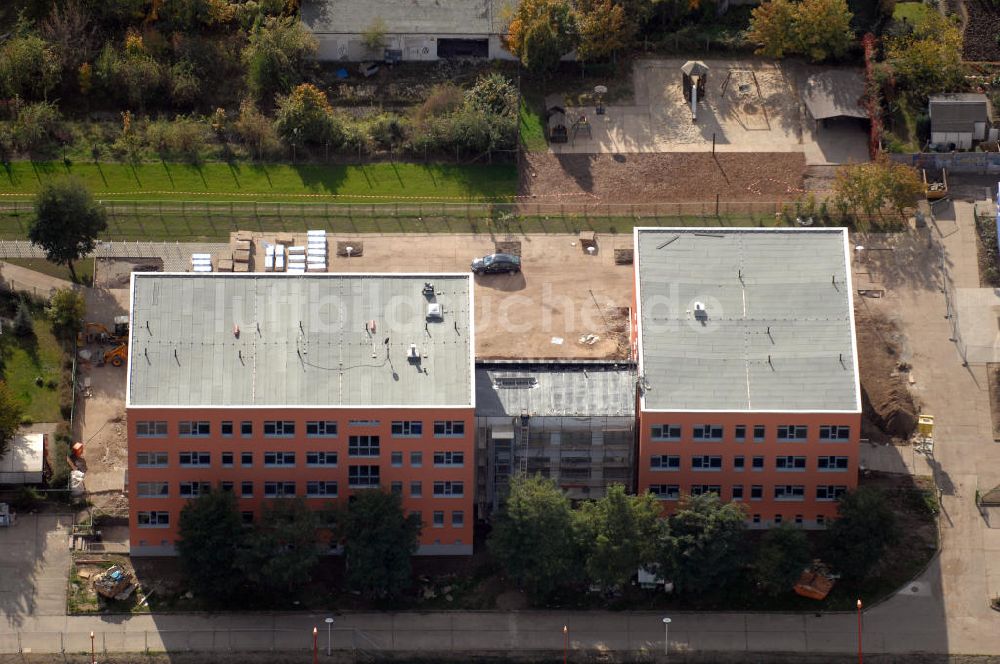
column 497, row 263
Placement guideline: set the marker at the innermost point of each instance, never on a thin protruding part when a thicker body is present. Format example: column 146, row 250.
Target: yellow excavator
column 116, row 356
column 99, row 333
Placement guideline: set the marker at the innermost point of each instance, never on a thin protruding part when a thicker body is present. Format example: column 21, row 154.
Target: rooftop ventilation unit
column 435, row 311
column 700, row 312
column 412, row 354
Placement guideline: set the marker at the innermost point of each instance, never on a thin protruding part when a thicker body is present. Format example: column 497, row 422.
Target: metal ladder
column 522, row 460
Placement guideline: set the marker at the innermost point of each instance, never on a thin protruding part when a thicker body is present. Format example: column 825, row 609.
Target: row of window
column 286, row 428
column 716, row 432
column 714, row 462
column 824, row 492
column 363, row 478
column 161, row 519
column 314, row 459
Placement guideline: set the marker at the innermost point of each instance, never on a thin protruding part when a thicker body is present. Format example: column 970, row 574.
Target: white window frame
column 153, row 459
column 364, row 446
column 665, row 432
column 321, row 489
column 322, row 459
column 153, row 519
column 407, row 428
column 448, row 428
column 321, row 429
column 151, row 429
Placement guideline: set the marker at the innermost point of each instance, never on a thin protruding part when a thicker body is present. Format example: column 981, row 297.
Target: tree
column 67, row 221
column 602, row 28
column 704, row 549
column 619, row 534
column 866, row 526
column 374, row 36
column 533, row 538
column 29, row 67
column 541, row 32
column 256, row 131
column 305, row 117
column 71, row 33
column 781, row 557
column 11, row 411
column 379, row 540
column 280, row 554
column 210, row 536
column 871, row 186
column 276, row 54
column 929, row 59
column 818, row 29
column 66, row 310
column 493, row 93
column 24, row 325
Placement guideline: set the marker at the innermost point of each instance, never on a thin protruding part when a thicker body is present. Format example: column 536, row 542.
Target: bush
column 35, row 125
column 26, row 498
column 387, row 130
column 444, row 98
column 494, row 94
column 185, row 86
column 183, row 138
column 256, row 131
column 305, row 117
column 29, row 67
column 276, row 54
column 24, row 325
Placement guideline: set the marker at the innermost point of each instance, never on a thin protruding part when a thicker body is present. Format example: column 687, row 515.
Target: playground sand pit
column 116, row 272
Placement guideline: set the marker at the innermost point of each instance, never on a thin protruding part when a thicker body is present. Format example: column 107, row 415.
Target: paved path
column 33, row 570
column 176, row 255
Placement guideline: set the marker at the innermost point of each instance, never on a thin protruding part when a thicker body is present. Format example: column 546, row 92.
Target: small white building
column 414, row 29
column 960, row 119
column 24, row 461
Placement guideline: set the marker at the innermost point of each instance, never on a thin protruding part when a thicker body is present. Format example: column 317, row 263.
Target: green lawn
column 269, row 182
column 26, row 359
column 912, row 12
column 532, row 126
column 84, row 268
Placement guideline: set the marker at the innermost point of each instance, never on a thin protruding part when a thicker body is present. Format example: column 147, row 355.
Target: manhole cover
column 914, row 589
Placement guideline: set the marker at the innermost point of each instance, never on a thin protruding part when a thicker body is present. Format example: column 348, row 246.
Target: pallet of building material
column 243, row 244
column 297, row 249
column 279, row 262
column 357, row 248
column 316, row 267
column 241, row 267
column 316, row 233
column 243, row 236
column 241, row 256
column 285, row 240
column 623, row 256
column 225, row 265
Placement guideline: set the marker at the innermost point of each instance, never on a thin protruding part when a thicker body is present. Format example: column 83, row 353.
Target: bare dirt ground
column 661, row 178
column 116, row 272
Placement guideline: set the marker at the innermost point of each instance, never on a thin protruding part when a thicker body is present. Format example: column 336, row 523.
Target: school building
column 316, row 386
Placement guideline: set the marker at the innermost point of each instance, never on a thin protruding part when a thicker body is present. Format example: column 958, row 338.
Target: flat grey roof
column 303, row 340
column 835, row 93
column 555, row 389
column 444, row 17
column 778, row 329
column 957, row 111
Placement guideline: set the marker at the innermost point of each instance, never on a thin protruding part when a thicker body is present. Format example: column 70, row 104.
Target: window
column 833, row 463
column 153, row 490
column 321, row 429
column 246, row 489
column 453, row 489
column 321, row 489
column 195, row 458
column 757, row 492
column 272, row 459
column 362, row 446
column 396, row 458
column 276, row 428
column 707, row 432
column 756, row 518
column 737, row 492
column 227, row 428
column 820, row 520
column 457, row 519
column 740, row 433
column 665, row 462
column 194, row 489
column 403, row 429
column 246, row 458
column 419, row 515
column 438, row 519
column 449, row 428
column 829, row 432
column 666, row 432
column 454, row 459
column 247, row 518
column 701, row 489
column 364, row 423
column 321, row 458
column 362, row 477
column 227, row 459
column 154, row 519
column 792, row 432
column 778, row 519
column 226, row 486
column 279, row 489
column 789, row 492
column 416, row 459
column 739, row 462
column 790, row 463
column 828, row 493
column 666, row 491
column 150, row 429
column 798, row 519
column 416, row 489
column 193, row 429
column 757, row 463
column 246, row 428
column 759, row 433
column 706, row 463
column 151, row 459
column 396, row 488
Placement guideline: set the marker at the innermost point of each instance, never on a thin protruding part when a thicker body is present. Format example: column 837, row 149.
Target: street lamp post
column 329, row 630
column 565, row 643
column 860, row 656
column 315, row 645
column 666, row 637
column 93, row 657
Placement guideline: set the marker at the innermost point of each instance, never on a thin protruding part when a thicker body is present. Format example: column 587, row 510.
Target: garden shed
column 24, row 461
column 959, row 119
column 835, row 94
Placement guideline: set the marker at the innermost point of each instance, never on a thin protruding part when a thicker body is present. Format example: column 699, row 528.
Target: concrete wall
column 981, row 163
column 417, row 47
column 770, row 448
column 434, row 540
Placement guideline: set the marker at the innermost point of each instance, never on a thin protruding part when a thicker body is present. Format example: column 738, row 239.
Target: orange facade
column 794, row 479
column 321, row 454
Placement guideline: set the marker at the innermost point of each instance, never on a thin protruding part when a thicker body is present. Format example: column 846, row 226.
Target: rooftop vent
column 516, row 382
column 700, row 312
column 412, row 354
column 435, row 311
